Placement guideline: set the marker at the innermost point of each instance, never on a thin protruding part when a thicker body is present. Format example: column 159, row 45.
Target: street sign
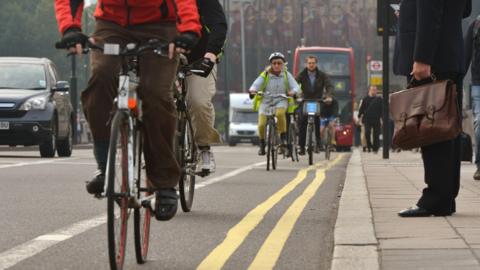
column 376, row 66
column 394, row 7
column 376, row 79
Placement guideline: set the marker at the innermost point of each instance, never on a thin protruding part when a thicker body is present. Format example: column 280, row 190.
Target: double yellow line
column 270, row 251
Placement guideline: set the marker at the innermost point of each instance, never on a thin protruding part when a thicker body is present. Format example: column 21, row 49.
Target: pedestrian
column 273, row 86
column 430, row 42
column 123, row 22
column 472, row 51
column 201, row 89
column 315, row 85
column 370, row 113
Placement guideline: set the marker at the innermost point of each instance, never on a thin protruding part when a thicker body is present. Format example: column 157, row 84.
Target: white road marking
column 29, row 249
column 21, row 164
column 228, row 175
column 78, row 163
column 24, row 251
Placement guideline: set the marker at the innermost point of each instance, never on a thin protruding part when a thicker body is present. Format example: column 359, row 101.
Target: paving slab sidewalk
column 369, row 234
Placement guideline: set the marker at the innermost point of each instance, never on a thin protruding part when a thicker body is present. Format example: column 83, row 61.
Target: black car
column 35, row 107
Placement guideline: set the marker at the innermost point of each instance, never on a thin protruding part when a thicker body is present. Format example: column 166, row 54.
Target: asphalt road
column 243, row 216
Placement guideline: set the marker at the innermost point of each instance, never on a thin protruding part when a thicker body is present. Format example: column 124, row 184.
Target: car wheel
column 48, row 147
column 64, row 147
column 232, row 143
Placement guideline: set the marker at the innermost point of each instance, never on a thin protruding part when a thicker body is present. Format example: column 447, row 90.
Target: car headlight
column 35, row 103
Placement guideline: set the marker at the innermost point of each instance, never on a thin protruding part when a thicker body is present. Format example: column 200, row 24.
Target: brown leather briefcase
column 425, row 114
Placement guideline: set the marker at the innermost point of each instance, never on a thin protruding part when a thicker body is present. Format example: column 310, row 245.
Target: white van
column 243, row 120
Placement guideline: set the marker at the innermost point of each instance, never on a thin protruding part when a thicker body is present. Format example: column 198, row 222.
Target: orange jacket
column 129, row 12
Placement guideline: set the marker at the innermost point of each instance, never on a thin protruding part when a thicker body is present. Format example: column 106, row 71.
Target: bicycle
column 293, row 137
column 186, row 147
column 271, row 134
column 126, row 187
column 312, row 109
column 327, row 138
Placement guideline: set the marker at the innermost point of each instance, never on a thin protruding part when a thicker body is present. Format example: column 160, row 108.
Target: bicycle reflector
column 132, row 103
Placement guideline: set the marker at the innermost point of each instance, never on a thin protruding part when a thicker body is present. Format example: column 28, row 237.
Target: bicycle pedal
column 98, row 196
column 203, row 173
column 149, row 204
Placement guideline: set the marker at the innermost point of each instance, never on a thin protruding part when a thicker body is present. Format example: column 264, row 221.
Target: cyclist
column 272, row 83
column 313, row 82
column 328, row 115
column 123, row 22
column 200, row 92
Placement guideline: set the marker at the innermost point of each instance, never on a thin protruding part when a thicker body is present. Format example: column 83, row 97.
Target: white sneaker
column 205, row 163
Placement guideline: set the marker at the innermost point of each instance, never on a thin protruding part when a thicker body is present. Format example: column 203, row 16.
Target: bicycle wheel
column 275, row 147
column 187, row 155
column 141, row 216
column 117, row 190
column 310, row 144
column 327, row 144
column 268, row 135
column 292, row 142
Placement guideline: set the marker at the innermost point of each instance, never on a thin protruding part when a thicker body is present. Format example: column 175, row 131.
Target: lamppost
column 242, row 40
column 302, row 35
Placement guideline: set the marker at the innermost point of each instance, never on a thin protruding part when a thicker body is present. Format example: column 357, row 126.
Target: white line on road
column 21, row 164
column 24, row 251
column 228, row 175
column 29, row 249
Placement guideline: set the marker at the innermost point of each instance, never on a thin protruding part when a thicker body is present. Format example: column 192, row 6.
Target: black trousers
column 441, row 162
column 375, row 127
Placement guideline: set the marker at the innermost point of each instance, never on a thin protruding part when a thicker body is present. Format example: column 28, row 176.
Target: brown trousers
column 156, row 78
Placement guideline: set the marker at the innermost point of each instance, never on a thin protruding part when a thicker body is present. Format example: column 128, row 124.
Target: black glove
column 251, row 95
column 206, row 65
column 186, row 40
column 71, row 38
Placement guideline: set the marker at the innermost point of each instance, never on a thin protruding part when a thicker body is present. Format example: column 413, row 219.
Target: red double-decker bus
column 339, row 64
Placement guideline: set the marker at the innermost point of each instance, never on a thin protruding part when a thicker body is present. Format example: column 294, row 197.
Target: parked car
column 35, row 107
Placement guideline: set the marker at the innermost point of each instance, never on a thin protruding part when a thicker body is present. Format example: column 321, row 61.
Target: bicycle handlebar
column 189, row 69
column 131, row 49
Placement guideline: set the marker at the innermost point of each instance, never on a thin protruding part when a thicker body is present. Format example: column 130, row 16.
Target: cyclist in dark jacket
column 123, row 22
column 315, row 85
column 200, row 92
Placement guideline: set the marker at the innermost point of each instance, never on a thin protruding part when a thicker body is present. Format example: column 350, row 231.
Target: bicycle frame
column 128, row 103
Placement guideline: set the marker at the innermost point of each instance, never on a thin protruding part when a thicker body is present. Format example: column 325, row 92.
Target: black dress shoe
column 415, row 211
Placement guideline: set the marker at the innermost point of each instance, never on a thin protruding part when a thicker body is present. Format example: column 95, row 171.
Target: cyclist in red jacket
column 135, row 21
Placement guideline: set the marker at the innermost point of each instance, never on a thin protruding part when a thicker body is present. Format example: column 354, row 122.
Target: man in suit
column 430, row 42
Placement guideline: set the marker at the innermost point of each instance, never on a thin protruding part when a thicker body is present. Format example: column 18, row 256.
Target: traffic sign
column 394, row 8
column 376, row 65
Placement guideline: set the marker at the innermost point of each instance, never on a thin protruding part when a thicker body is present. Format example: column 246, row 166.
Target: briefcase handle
column 414, row 83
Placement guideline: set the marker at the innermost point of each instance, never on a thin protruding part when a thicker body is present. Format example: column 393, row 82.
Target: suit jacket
column 321, row 81
column 430, row 31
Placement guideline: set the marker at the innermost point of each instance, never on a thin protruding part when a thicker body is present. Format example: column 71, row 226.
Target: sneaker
column 205, row 163
column 95, row 186
column 476, row 175
column 166, row 204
